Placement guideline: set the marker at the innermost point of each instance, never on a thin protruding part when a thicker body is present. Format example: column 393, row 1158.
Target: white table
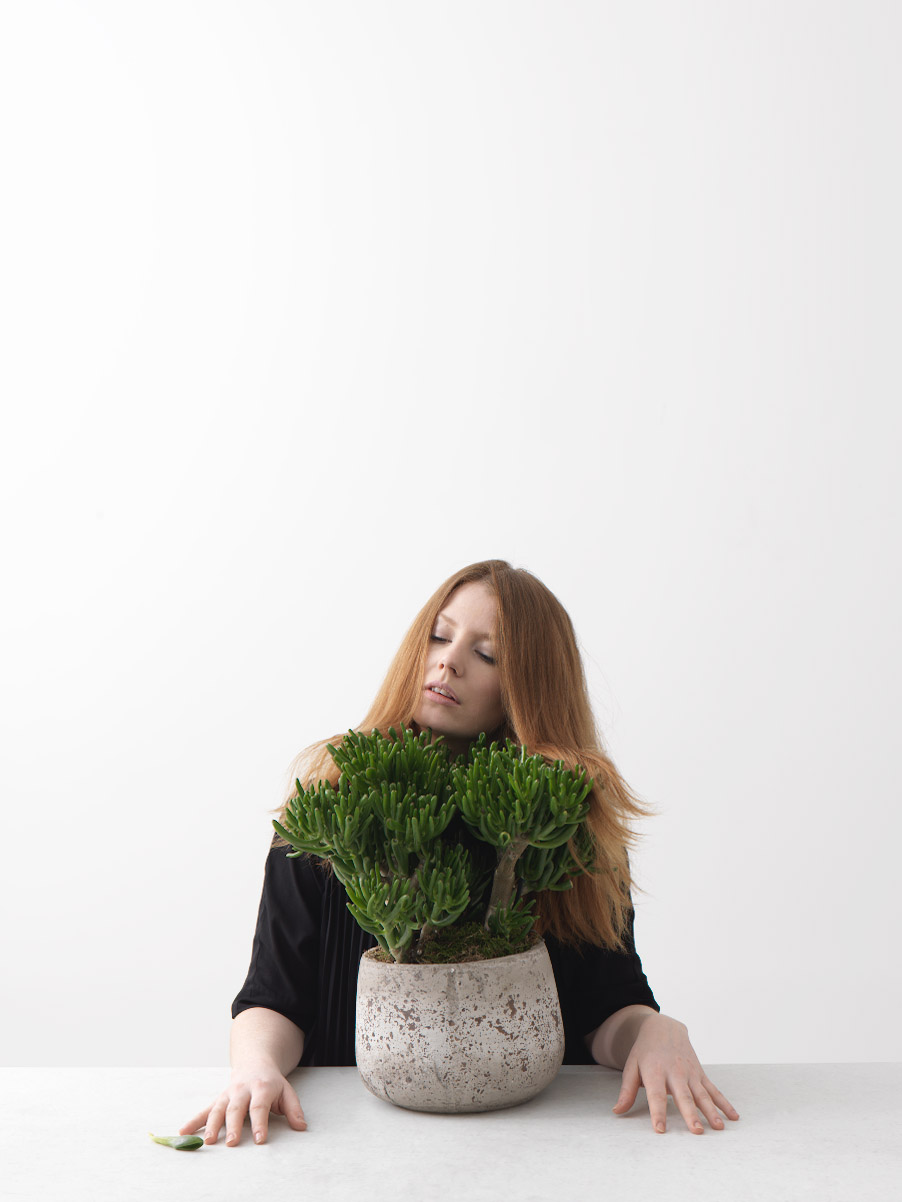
column 824, row 1132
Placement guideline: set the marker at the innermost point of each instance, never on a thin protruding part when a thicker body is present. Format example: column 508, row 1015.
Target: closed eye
column 435, row 638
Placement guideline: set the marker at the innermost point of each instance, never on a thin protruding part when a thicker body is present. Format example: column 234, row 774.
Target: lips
column 445, row 690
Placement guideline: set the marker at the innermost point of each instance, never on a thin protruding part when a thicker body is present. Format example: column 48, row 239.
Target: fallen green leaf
column 182, row 1143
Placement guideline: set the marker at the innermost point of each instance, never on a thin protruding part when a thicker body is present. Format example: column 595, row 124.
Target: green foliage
column 383, row 826
column 391, row 804
column 392, row 909
column 540, row 868
column 504, row 794
column 514, row 921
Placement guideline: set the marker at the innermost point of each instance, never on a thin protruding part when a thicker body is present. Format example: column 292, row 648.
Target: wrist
column 629, row 1031
column 613, row 1041
column 266, row 1041
column 255, row 1066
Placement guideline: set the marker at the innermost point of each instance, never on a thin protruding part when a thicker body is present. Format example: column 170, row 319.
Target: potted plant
column 442, row 859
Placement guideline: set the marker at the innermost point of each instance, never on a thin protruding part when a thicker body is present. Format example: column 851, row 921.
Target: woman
column 492, row 651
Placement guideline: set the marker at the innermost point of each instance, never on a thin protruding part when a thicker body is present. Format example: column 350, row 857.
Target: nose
column 447, row 660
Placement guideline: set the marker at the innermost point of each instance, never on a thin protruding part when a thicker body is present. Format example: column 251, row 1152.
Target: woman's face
column 461, row 662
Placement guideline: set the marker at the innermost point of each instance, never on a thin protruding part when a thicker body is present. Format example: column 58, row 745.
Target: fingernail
column 258, row 1136
column 230, row 1139
column 660, row 1127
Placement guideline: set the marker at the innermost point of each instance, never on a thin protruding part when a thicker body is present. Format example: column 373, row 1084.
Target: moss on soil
column 463, row 944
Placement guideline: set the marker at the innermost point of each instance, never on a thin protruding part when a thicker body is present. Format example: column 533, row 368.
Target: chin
column 450, row 736
column 436, row 730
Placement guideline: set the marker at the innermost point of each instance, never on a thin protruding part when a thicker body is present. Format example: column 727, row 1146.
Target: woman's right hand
column 251, row 1091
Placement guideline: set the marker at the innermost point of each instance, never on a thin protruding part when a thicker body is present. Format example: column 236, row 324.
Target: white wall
column 308, row 305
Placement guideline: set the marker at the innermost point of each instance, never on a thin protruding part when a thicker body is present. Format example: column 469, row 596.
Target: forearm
column 611, row 1043
column 261, row 1036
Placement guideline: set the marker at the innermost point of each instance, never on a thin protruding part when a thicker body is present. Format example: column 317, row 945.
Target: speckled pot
column 455, row 1038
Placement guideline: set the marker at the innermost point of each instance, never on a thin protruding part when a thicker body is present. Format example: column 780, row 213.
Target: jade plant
column 386, row 828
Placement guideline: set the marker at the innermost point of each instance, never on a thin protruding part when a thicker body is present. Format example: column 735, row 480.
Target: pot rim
column 536, row 949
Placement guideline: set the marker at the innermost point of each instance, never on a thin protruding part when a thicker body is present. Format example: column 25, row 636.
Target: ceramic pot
column 454, row 1038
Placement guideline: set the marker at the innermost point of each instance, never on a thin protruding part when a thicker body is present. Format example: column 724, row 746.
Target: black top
column 307, row 950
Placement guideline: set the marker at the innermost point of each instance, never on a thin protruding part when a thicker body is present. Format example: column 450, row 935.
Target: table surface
column 819, row 1131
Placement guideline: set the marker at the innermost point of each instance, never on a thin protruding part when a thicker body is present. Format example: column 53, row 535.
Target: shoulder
column 287, row 873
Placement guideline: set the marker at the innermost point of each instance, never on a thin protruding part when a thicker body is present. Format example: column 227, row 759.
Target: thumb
column 291, row 1108
column 629, row 1087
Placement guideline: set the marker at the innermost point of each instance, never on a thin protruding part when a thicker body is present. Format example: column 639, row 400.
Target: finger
column 214, row 1122
column 235, row 1118
column 685, row 1103
column 727, row 1107
column 291, row 1108
column 287, row 1103
column 259, row 1116
column 196, row 1123
column 656, row 1093
column 705, row 1103
column 629, row 1087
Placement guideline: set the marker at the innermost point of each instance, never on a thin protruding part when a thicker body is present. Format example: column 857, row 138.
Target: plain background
column 305, row 306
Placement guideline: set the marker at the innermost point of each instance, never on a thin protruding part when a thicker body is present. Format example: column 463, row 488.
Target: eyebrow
column 488, row 638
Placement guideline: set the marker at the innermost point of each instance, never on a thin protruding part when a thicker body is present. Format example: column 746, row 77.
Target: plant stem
column 425, row 932
column 504, row 879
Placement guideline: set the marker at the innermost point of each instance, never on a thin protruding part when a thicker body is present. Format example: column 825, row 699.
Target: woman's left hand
column 664, row 1061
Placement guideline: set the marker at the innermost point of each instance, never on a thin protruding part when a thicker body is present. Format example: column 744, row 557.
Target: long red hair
column 547, row 711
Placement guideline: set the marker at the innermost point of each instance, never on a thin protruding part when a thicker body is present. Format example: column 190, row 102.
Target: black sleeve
column 283, row 973
column 592, row 984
